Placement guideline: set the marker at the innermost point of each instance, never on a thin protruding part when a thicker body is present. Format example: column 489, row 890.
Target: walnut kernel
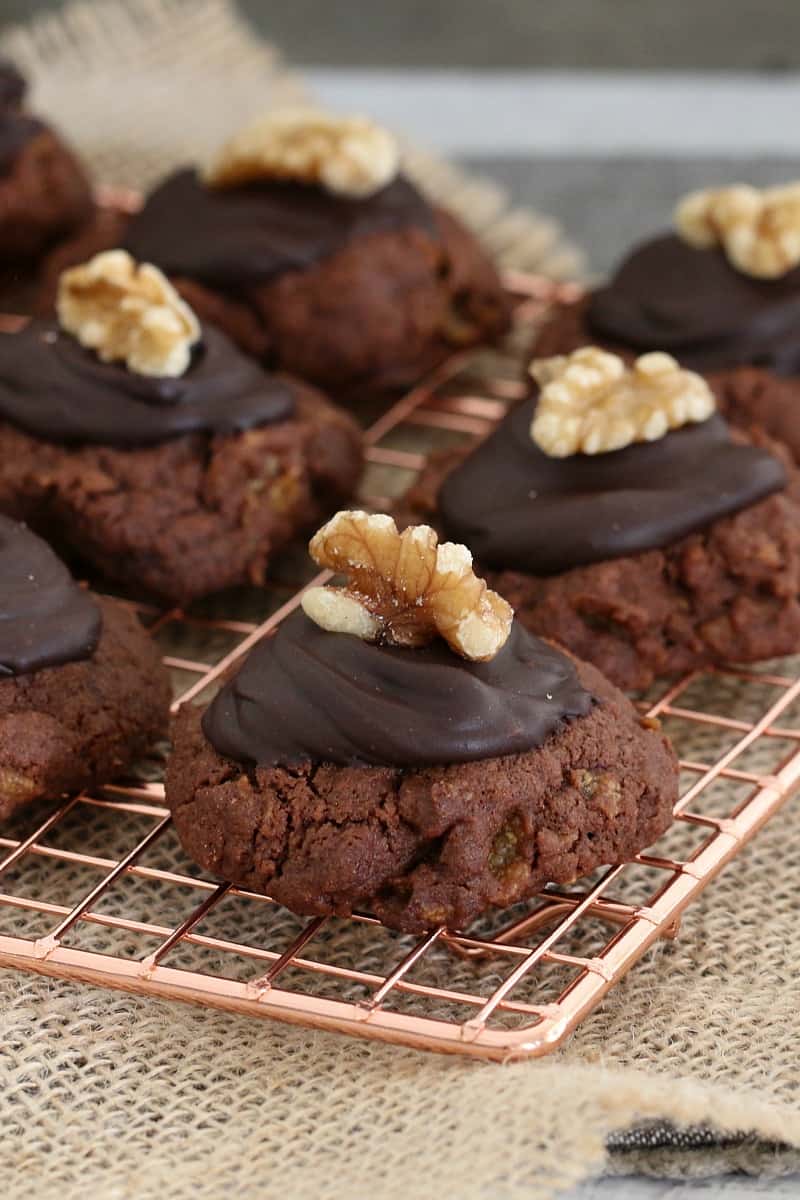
column 350, row 156
column 506, row 845
column 15, row 786
column 404, row 588
column 129, row 312
column 759, row 229
column 591, row 402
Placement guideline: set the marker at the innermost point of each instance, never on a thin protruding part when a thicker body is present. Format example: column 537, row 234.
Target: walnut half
column 350, row 156
column 404, row 588
column 591, row 402
column 759, row 229
column 128, row 312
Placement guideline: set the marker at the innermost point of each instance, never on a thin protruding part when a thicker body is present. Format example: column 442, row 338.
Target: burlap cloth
column 109, row 1095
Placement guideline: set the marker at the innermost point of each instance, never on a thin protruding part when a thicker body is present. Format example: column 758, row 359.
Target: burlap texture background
column 113, row 1096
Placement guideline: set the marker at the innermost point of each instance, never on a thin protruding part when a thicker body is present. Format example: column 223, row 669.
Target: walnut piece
column 128, row 312
column 16, row 787
column 404, row 588
column 350, row 156
column 759, row 229
column 591, row 402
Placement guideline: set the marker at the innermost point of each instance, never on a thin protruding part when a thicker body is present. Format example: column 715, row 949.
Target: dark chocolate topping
column 517, row 508
column 305, row 694
column 54, row 389
column 16, row 130
column 45, row 618
column 667, row 295
column 228, row 237
column 13, row 85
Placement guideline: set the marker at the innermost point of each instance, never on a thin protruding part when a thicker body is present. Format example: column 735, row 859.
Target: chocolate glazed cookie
column 434, row 788
column 178, row 486
column 346, row 292
column 351, row 294
column 648, row 561
column 740, row 332
column 44, row 191
column 82, row 689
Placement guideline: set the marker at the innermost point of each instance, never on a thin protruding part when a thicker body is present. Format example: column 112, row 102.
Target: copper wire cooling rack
column 99, row 891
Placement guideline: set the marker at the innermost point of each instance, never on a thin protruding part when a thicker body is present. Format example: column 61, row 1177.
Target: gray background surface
column 607, row 204
column 757, row 34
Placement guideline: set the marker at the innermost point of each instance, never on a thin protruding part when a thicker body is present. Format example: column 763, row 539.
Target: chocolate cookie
column 13, row 85
column 179, row 486
column 352, row 300
column 756, row 399
column 82, row 689
column 347, row 292
column 338, row 775
column 647, row 561
column 44, row 191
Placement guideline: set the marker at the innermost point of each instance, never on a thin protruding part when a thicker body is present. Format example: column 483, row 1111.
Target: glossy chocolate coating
column 55, row 390
column 307, row 695
column 16, row 130
column 516, row 508
column 230, row 237
column 13, row 85
column 667, row 295
column 45, row 618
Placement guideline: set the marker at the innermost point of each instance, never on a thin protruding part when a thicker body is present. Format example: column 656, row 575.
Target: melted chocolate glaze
column 16, row 130
column 45, row 618
column 667, row 295
column 516, row 508
column 55, row 390
column 229, row 237
column 13, row 85
column 305, row 694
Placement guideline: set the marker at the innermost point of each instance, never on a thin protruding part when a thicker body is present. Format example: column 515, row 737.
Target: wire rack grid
column 97, row 890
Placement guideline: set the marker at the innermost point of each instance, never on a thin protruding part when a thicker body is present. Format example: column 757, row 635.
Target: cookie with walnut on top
column 721, row 294
column 307, row 244
column 621, row 517
column 82, row 689
column 403, row 746
column 152, row 447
